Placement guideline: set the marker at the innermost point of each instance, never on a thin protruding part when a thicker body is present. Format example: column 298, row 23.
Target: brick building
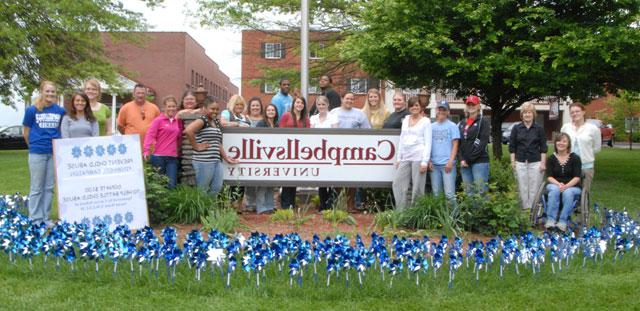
column 170, row 63
column 278, row 50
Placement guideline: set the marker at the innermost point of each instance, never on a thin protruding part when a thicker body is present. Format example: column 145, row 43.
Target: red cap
column 472, row 99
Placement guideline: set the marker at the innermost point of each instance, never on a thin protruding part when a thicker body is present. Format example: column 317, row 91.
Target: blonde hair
column 528, row 107
column 40, row 99
column 378, row 115
column 96, row 84
column 234, row 100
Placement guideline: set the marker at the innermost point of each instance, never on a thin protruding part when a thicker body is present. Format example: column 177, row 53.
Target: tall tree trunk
column 496, row 135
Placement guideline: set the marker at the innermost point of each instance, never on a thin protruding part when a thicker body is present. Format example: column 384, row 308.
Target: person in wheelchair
column 564, row 169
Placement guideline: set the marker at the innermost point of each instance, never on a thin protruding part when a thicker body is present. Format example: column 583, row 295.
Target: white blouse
column 415, row 141
column 328, row 122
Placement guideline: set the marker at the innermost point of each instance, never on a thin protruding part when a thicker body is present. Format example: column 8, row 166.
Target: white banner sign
column 101, row 180
column 296, row 157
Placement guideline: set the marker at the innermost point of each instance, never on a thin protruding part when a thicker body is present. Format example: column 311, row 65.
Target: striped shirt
column 209, row 135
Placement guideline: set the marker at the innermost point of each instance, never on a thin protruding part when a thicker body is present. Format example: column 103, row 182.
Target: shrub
column 222, row 219
column 189, row 204
column 389, row 219
column 494, row 212
column 337, row 216
column 377, row 199
column 433, row 212
column 502, row 176
column 295, row 218
column 282, row 215
column 156, row 185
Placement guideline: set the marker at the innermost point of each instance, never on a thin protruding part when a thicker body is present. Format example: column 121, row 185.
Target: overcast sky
column 223, row 46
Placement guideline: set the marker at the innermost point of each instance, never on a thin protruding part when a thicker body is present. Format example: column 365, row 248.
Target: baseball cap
column 443, row 104
column 475, row 100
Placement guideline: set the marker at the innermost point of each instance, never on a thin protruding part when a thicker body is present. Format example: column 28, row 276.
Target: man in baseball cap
column 473, row 100
column 443, row 104
column 445, row 137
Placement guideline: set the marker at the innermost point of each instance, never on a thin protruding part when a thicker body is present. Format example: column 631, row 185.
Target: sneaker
column 562, row 226
column 549, row 224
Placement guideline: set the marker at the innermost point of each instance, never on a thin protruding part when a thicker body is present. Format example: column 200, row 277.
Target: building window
column 358, row 85
column 273, row 50
column 193, row 78
column 317, row 51
column 268, row 88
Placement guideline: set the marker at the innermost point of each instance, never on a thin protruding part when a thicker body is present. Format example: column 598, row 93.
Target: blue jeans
column 250, row 194
column 264, row 199
column 168, row 166
column 442, row 180
column 208, row 175
column 358, row 198
column 569, row 197
column 475, row 178
column 41, row 175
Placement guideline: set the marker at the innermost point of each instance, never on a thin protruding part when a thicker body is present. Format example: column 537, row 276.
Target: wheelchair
column 579, row 217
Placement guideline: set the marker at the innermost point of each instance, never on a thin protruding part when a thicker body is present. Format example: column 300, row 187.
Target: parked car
column 506, row 131
column 11, row 138
column 606, row 131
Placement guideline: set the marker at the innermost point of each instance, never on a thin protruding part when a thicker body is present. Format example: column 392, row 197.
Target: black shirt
column 564, row 172
column 473, row 143
column 334, row 100
column 527, row 143
column 394, row 120
column 264, row 123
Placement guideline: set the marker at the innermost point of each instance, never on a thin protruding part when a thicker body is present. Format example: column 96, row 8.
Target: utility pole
column 304, row 41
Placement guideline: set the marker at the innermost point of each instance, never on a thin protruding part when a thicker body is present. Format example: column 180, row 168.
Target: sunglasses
column 142, row 113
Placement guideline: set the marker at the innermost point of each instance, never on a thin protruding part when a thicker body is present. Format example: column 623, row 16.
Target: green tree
column 625, row 105
column 280, row 19
column 508, row 52
column 60, row 41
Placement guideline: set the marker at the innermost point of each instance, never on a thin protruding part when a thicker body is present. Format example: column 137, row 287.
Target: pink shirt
column 165, row 135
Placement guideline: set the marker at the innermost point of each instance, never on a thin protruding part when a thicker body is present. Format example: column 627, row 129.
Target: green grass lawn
column 599, row 286
column 14, row 170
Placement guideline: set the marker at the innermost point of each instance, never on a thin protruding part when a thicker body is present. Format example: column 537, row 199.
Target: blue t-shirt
column 44, row 127
column 442, row 136
column 282, row 103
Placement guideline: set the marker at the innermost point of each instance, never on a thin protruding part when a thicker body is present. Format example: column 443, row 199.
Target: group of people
column 45, row 121
column 436, row 148
column 569, row 170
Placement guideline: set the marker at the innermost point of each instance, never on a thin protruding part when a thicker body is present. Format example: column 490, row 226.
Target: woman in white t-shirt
column 586, row 141
column 414, row 151
column 323, row 119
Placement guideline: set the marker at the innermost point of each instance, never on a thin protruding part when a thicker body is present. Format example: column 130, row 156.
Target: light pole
column 304, row 51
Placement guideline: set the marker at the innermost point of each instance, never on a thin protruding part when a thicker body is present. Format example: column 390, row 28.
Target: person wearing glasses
column 135, row 117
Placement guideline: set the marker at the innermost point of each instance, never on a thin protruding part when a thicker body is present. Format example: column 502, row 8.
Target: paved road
column 625, row 145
